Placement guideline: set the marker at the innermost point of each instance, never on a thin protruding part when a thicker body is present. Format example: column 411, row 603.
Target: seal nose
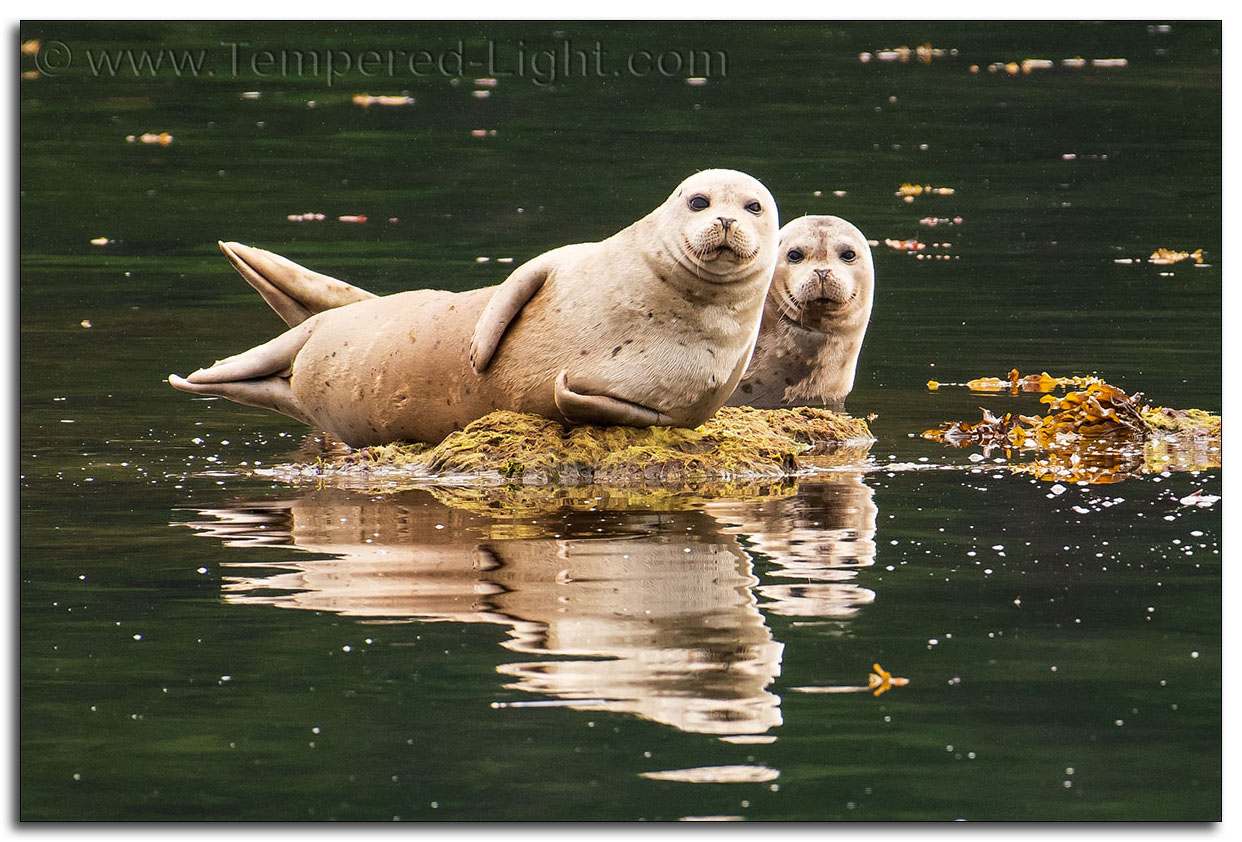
column 822, row 274
column 725, row 222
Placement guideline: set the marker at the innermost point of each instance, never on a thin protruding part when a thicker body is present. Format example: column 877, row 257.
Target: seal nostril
column 725, row 222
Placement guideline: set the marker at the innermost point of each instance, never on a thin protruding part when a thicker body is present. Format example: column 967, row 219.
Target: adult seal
column 653, row 326
column 815, row 317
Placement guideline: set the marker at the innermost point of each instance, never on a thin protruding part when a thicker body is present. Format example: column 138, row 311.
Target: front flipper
column 258, row 377
column 580, row 408
column 506, row 302
column 293, row 291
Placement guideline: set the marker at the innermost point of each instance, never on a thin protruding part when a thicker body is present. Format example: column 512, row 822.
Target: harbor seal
column 815, row 317
column 653, row 326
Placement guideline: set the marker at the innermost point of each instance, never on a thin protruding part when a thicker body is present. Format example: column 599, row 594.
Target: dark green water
column 197, row 642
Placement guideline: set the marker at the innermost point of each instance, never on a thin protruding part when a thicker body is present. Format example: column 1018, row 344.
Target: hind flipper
column 266, row 393
column 274, row 357
column 580, row 408
column 293, row 291
column 258, row 377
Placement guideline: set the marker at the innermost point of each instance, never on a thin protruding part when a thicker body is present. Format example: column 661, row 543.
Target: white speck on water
column 137, row 637
column 1057, row 489
column 316, row 730
column 347, row 648
column 1119, row 722
column 1194, row 654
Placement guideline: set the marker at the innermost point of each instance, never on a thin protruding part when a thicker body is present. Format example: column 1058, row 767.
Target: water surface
column 200, row 641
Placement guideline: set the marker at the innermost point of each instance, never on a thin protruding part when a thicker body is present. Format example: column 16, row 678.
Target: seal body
column 652, row 326
column 814, row 319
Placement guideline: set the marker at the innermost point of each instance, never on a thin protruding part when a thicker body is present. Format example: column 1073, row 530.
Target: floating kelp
column 1167, row 257
column 737, row 445
column 907, row 192
column 1015, row 382
column 1097, row 434
column 924, row 53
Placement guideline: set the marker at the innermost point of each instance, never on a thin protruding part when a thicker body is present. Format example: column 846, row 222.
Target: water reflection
column 655, row 609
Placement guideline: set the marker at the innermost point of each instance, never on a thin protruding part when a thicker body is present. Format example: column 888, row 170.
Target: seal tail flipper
column 293, row 291
column 258, row 377
column 579, row 408
column 265, row 393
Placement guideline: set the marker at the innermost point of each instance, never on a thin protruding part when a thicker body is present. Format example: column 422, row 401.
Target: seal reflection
column 657, row 612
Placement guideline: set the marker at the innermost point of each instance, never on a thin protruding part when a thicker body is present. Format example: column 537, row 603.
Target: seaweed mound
column 737, row 443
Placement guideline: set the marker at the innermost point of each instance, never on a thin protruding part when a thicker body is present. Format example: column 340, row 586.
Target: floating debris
column 366, row 100
column 101, row 241
column 151, row 138
column 696, row 81
column 310, row 216
column 251, row 94
column 933, row 221
column 482, row 132
column 905, row 245
column 485, row 82
column 878, row 682
column 1199, row 499
column 85, row 323
column 356, row 218
column 1109, row 62
column 924, row 53
column 1167, row 257
column 480, row 94
column 882, row 680
column 1096, row 435
column 31, row 47
column 907, row 192
column 1015, row 382
column 716, row 775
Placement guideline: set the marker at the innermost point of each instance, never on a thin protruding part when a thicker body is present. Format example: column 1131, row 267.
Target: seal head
column 716, row 223
column 815, row 318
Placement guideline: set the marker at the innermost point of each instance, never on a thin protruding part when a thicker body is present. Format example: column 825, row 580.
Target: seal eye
column 698, row 203
column 754, row 207
column 794, row 255
column 849, row 256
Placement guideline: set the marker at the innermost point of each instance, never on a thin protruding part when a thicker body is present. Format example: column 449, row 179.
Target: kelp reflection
column 658, row 605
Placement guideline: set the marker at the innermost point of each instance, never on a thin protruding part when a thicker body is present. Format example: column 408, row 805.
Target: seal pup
column 653, row 326
column 814, row 319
